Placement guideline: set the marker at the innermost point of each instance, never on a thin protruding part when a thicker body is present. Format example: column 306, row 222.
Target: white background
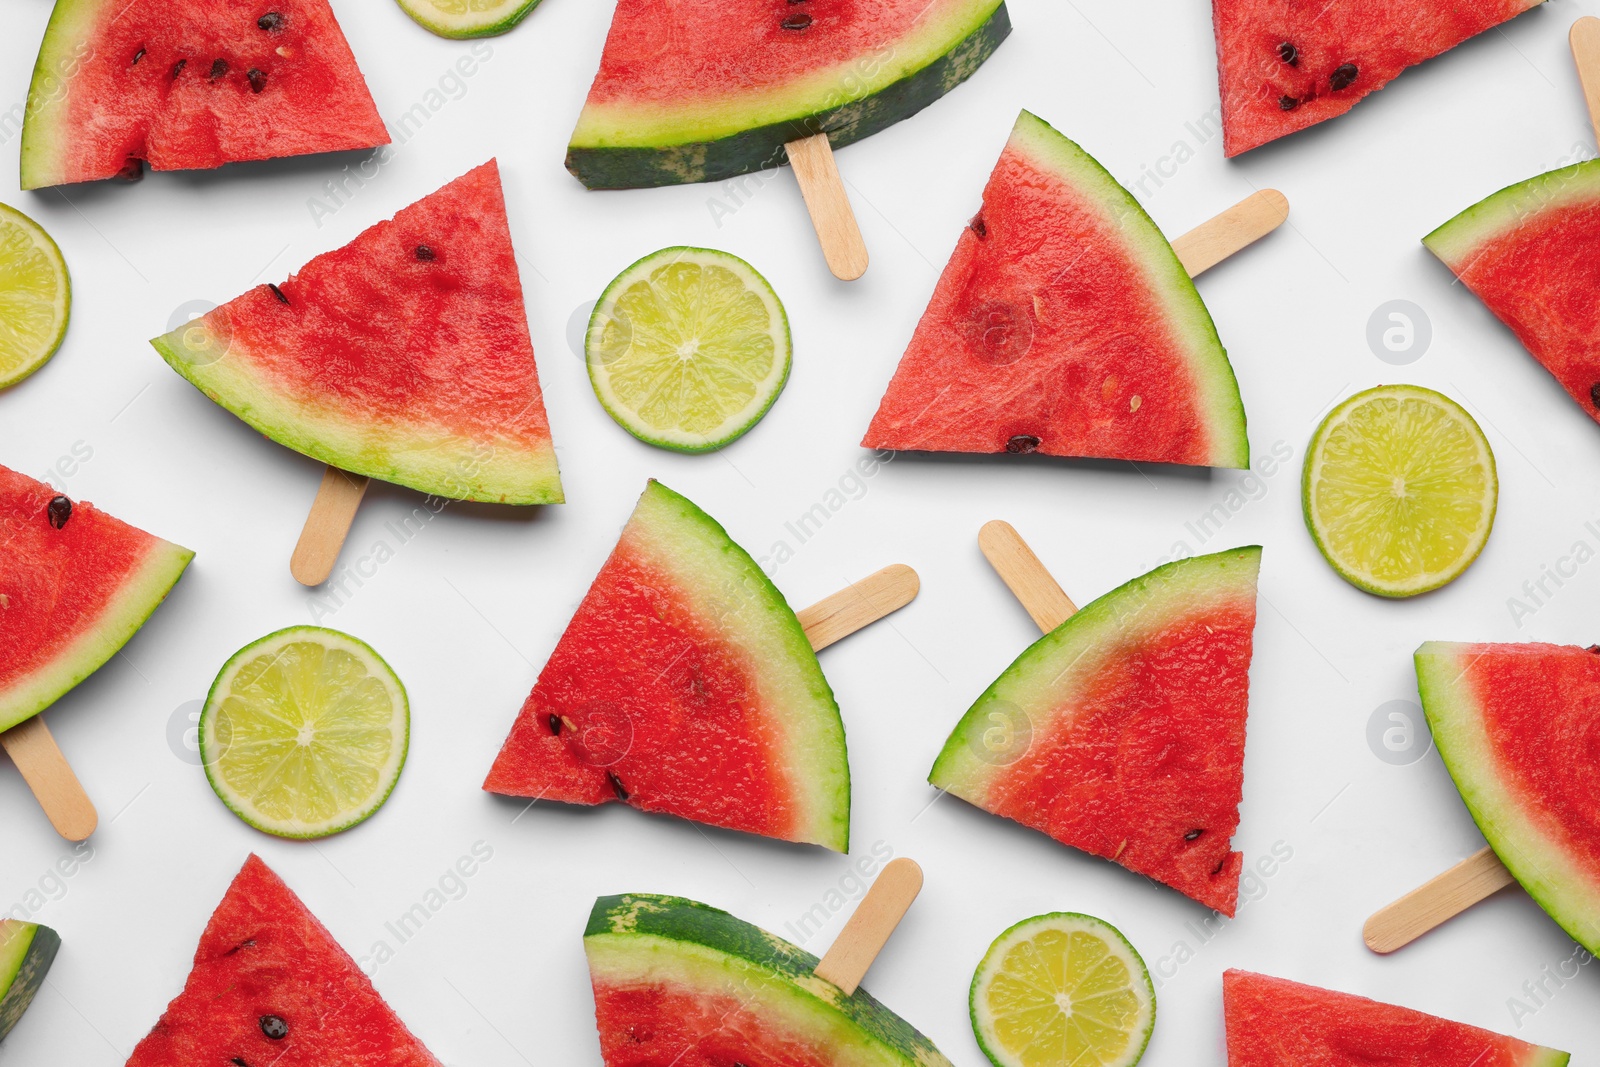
column 468, row 610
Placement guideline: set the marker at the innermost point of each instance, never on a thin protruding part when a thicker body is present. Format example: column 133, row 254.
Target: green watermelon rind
column 721, row 579
column 631, row 156
column 1219, row 402
column 25, row 956
column 125, row 612
column 1054, row 667
column 471, row 25
column 459, row 468
column 44, row 134
column 1457, row 241
column 655, row 936
column 1562, row 889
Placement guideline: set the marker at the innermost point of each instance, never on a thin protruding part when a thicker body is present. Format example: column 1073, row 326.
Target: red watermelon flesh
column 684, row 685
column 1272, row 1022
column 266, row 966
column 1288, row 64
column 1065, row 325
column 1531, row 253
column 75, row 585
column 404, row 355
column 1122, row 731
column 190, row 86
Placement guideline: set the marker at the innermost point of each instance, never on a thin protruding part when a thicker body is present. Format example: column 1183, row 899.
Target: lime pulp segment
column 35, row 296
column 688, row 348
column 305, row 732
column 1399, row 490
column 1062, row 990
column 467, row 18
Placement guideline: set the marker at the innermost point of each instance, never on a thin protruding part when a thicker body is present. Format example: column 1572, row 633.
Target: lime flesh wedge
column 688, row 348
column 468, row 18
column 35, row 296
column 1399, row 490
column 1062, row 990
column 305, row 732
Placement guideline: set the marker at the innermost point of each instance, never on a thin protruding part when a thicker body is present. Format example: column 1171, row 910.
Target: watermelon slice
column 1272, row 1022
column 701, row 90
column 190, row 86
column 1532, row 254
column 1519, row 728
column 1121, row 732
column 75, row 585
column 271, row 987
column 677, row 982
column 684, row 684
column 404, row 355
column 1288, row 64
column 26, row 952
column 1065, row 325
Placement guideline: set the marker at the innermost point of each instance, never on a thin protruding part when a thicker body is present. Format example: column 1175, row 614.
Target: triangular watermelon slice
column 1288, row 64
column 1519, row 728
column 682, row 984
column 1532, row 254
column 1272, row 1022
column 185, row 87
column 701, row 90
column 272, row 988
column 75, row 585
column 684, row 684
column 1121, row 732
column 1064, row 325
column 404, row 355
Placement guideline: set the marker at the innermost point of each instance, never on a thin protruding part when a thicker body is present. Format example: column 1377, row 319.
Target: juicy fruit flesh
column 656, row 1023
column 200, row 91
column 1052, row 330
column 305, row 734
column 1403, row 490
column 1066, row 996
column 1286, row 66
column 688, row 351
column 33, row 296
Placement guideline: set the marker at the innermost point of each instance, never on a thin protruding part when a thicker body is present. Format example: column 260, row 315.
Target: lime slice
column 688, row 348
column 304, row 732
column 35, row 296
column 1399, row 490
column 1062, row 989
column 468, row 18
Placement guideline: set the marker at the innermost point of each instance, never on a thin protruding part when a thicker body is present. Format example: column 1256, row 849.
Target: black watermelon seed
column 278, row 293
column 1287, row 103
column 616, row 785
column 978, row 226
column 1289, row 54
column 59, row 511
column 1594, row 394
column 796, row 22
column 138, row 56
column 247, row 943
column 219, row 67
column 258, row 79
column 426, row 254
column 1193, row 835
column 1593, row 648
column 1022, row 444
column 177, row 68
column 274, row 1027
column 1220, row 864
column 238, row 1061
column 1343, row 76
column 555, row 724
column 270, row 21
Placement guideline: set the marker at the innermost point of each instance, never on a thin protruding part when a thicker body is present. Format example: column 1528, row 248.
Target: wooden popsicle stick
column 1585, row 40
column 868, row 930
column 1475, row 878
column 327, row 526
column 862, row 603
column 1024, row 575
column 1235, row 229
column 45, row 769
column 829, row 204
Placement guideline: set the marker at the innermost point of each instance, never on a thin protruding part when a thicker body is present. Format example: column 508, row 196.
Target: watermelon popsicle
column 710, row 90
column 676, row 980
column 1121, row 731
column 75, row 586
column 403, row 356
